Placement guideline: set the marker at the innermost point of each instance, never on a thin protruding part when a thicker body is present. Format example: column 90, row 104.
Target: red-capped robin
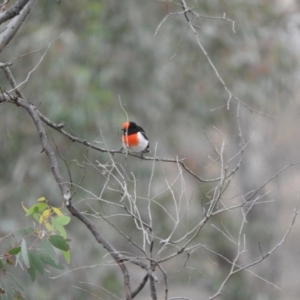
column 134, row 138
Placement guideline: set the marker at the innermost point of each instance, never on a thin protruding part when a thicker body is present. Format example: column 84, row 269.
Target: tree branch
column 14, row 25
column 13, row 11
column 100, row 239
column 59, row 128
column 140, row 287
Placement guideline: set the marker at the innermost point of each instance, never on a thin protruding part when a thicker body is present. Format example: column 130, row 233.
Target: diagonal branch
column 32, row 111
column 13, row 11
column 14, row 25
column 100, row 239
column 140, row 287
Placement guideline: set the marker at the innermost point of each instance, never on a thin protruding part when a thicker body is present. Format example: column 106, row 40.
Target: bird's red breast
column 130, row 140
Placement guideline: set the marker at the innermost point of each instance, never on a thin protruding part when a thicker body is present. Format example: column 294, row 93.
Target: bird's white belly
column 143, row 143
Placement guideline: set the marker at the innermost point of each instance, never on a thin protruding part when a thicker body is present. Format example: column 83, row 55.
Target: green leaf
column 67, row 256
column 48, row 255
column 36, row 208
column 36, row 216
column 14, row 251
column 49, row 261
column 60, row 228
column 1, row 264
column 24, row 253
column 59, row 223
column 35, row 261
column 7, row 288
column 32, row 273
column 63, row 220
column 59, row 242
column 44, row 247
column 26, row 230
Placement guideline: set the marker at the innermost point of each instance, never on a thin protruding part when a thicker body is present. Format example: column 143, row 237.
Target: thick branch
column 14, row 25
column 13, row 11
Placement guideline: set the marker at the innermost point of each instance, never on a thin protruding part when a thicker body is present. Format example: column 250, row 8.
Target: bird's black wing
column 142, row 131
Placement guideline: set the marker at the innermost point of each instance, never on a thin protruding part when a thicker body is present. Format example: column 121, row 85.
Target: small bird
column 134, row 138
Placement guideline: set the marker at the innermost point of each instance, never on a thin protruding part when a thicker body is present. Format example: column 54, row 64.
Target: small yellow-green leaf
column 41, row 199
column 26, row 209
column 36, row 208
column 46, row 213
column 1, row 264
column 45, row 216
column 49, row 226
column 57, row 211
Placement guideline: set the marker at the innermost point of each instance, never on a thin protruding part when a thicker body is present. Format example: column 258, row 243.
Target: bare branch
column 14, row 25
column 224, row 18
column 11, row 80
column 73, row 138
column 100, row 239
column 170, row 15
column 234, row 270
column 13, row 11
column 31, row 71
column 140, row 287
column 31, row 109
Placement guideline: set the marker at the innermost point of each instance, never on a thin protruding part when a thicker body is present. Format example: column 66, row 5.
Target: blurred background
column 104, row 54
